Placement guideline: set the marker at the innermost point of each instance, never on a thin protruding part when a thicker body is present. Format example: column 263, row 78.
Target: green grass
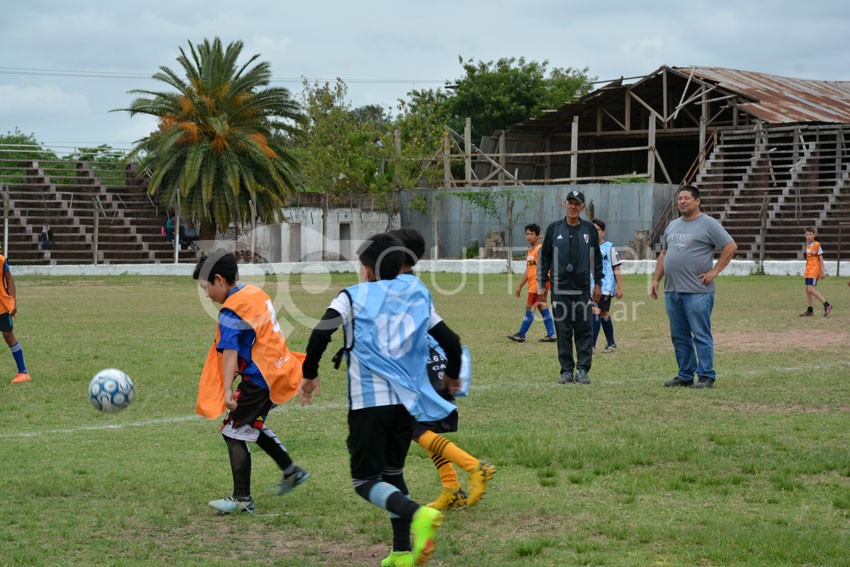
column 622, row 472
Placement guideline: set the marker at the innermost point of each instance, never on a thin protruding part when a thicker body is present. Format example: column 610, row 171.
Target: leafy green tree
column 17, row 147
column 496, row 94
column 219, row 144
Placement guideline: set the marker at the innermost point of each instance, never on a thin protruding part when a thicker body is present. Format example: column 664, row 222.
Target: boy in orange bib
column 248, row 343
column 814, row 272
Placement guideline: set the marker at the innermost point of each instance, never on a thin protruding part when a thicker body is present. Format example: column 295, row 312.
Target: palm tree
column 219, row 145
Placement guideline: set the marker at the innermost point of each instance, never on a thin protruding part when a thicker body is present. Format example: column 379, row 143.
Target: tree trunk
column 206, row 235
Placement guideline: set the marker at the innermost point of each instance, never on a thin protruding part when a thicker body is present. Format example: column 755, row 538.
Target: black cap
column 577, row 195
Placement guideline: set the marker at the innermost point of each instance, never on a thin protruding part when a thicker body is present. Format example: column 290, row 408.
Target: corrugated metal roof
column 781, row 100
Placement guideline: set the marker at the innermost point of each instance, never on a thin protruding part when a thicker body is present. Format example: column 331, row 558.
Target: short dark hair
column 218, row 263
column 692, row 189
column 383, row 253
column 599, row 222
column 413, row 242
column 533, row 227
column 811, row 229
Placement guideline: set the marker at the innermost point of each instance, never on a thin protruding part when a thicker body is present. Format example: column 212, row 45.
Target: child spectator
column 8, row 309
column 814, row 272
column 612, row 286
column 386, row 320
column 532, row 235
column 248, row 342
column 427, row 432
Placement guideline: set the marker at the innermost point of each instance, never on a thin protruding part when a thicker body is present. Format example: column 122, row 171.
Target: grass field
column 623, row 472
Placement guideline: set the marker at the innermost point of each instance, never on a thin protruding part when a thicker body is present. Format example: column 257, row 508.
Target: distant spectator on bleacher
column 46, row 237
column 169, row 228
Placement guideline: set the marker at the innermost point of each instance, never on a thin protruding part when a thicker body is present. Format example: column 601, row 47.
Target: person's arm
column 726, row 256
column 316, row 346
column 229, row 363
column 521, row 284
column 450, row 343
column 9, row 282
column 659, row 273
column 619, row 280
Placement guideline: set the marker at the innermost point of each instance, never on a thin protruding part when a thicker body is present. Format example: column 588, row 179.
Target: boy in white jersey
column 386, row 320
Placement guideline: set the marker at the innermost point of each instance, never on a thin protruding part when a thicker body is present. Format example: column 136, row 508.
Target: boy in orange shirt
column 8, row 309
column 532, row 235
column 814, row 272
column 248, row 344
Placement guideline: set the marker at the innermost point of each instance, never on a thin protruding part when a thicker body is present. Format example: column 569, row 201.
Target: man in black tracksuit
column 571, row 250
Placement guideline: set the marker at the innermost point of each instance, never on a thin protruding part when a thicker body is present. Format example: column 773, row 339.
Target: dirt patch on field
column 777, row 342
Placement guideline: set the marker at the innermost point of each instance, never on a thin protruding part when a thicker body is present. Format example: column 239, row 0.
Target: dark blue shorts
column 6, row 322
column 812, row 281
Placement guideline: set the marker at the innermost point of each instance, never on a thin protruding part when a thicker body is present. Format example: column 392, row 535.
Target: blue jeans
column 690, row 330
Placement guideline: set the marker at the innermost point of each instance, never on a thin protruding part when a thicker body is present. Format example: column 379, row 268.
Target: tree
column 498, row 94
column 219, row 144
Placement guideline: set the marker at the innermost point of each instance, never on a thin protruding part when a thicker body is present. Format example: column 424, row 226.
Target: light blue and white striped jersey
column 610, row 258
column 386, row 325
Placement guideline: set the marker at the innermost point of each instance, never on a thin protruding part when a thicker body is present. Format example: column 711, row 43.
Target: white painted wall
column 735, row 268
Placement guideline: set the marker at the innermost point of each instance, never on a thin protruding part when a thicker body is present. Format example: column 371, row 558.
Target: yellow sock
column 437, row 445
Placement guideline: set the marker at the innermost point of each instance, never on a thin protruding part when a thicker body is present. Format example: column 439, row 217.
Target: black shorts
column 446, row 425
column 604, row 303
column 253, row 405
column 6, row 322
column 378, row 438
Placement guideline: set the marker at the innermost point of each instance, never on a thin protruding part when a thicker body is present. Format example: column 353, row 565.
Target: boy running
column 426, row 432
column 532, row 235
column 8, row 309
column 249, row 343
column 386, row 321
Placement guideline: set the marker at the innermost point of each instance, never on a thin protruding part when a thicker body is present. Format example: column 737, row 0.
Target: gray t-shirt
column 690, row 248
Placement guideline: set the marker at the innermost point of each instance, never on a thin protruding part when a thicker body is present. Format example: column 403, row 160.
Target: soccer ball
column 111, row 390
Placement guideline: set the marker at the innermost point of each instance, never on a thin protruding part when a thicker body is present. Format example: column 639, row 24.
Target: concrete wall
column 735, row 268
column 300, row 238
column 625, row 208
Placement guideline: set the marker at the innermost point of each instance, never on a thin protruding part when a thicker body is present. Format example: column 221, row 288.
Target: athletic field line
column 159, row 421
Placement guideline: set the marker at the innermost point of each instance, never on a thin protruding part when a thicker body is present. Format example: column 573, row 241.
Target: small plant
column 471, row 251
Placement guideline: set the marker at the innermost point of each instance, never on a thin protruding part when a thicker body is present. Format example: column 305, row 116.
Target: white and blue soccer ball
column 111, row 390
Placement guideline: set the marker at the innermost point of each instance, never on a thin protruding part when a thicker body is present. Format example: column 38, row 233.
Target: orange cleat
column 22, row 377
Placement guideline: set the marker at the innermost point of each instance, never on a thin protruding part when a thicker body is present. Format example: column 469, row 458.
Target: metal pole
column 5, row 223
column 177, row 230
column 253, row 207
column 96, row 235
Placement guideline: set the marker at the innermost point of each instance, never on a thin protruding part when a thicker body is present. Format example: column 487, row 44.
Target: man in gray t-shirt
column 685, row 263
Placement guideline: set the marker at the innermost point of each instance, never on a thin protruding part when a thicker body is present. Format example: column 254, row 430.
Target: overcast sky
column 381, row 48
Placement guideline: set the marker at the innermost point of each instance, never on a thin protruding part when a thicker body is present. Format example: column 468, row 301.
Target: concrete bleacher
column 796, row 176
column 68, row 195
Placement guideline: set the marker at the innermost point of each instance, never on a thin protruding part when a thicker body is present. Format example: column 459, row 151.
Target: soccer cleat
column 398, row 559
column 610, row 349
column 448, row 499
column 478, row 482
column 22, row 377
column 517, row 338
column 806, row 314
column 704, row 383
column 230, row 504
column 424, row 528
column 678, row 382
column 581, row 376
column 289, row 482
column 827, row 310
column 552, row 339
column 566, row 378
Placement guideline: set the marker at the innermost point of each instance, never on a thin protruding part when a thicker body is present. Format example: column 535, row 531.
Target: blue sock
column 597, row 324
column 547, row 320
column 526, row 323
column 608, row 327
column 18, row 353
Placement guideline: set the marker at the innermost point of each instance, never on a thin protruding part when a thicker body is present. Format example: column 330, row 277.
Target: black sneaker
column 581, row 376
column 566, row 378
column 516, row 337
column 552, row 339
column 827, row 309
column 704, row 383
column 678, row 382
